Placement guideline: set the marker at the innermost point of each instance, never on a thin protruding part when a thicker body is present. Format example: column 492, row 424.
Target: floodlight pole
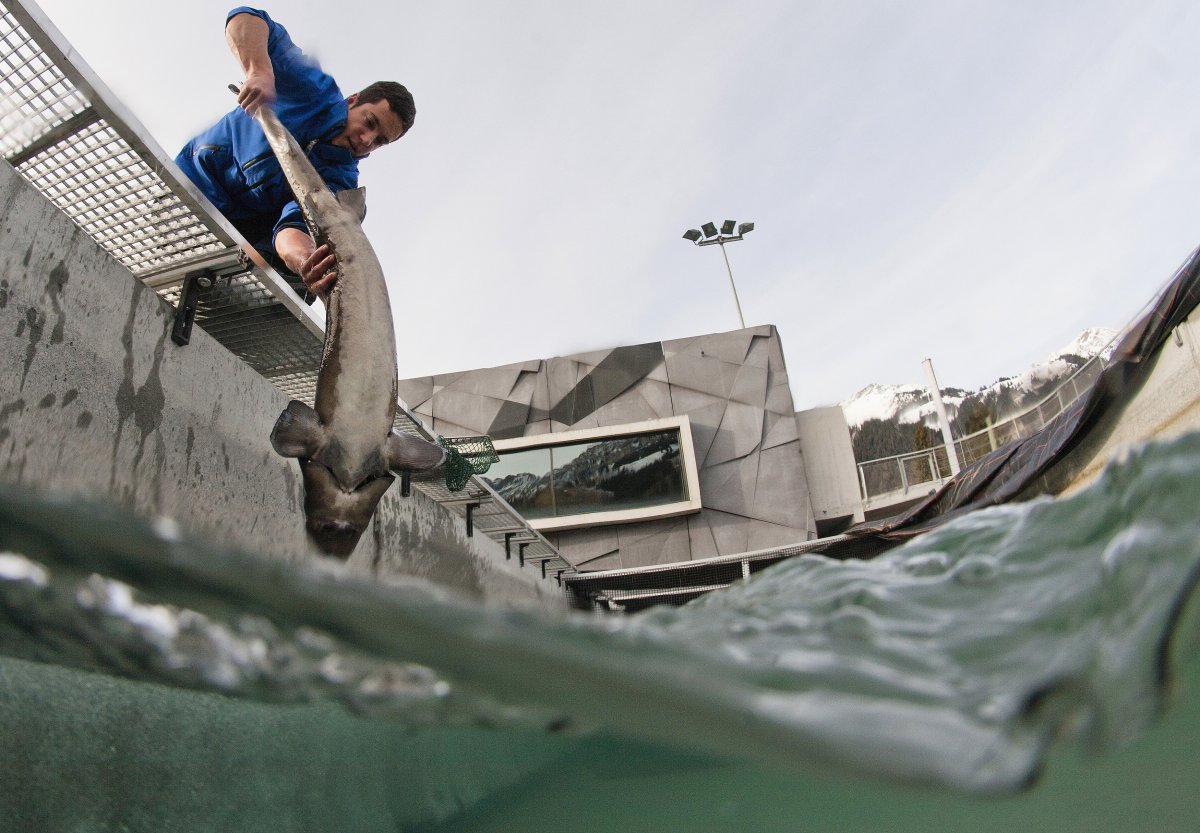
column 732, row 285
column 725, row 235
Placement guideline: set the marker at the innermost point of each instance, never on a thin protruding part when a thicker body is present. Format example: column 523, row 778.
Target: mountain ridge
column 910, row 403
column 886, row 420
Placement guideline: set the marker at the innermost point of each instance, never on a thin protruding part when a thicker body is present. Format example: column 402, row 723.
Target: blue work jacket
column 234, row 166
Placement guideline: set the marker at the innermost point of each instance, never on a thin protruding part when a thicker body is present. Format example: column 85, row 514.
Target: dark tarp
column 1014, row 470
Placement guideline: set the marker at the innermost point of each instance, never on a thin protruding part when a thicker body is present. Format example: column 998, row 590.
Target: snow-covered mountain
column 1064, row 362
column 903, row 403
column 911, row 403
column 1090, row 342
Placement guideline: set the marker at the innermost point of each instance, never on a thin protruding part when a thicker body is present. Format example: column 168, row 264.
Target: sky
column 969, row 181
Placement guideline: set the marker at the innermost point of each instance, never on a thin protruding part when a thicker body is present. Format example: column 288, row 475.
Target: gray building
column 641, row 455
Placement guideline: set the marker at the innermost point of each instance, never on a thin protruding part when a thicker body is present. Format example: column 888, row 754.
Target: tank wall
column 97, row 401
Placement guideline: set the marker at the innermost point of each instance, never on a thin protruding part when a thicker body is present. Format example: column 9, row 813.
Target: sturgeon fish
column 345, row 444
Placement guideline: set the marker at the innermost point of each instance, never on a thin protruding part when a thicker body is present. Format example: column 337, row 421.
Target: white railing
column 899, row 475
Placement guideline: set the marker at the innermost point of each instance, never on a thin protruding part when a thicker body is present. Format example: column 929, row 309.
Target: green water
column 1031, row 667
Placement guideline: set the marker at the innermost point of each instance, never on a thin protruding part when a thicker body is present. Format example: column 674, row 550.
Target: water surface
column 1028, row 666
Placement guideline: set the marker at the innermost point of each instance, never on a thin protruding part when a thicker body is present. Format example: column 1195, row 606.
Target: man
column 233, row 165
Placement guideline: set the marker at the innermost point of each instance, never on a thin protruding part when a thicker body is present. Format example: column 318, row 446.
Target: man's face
column 369, row 127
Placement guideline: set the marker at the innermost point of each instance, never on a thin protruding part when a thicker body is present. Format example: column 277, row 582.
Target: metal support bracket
column 406, row 486
column 508, row 536
column 189, row 295
column 521, row 551
column 471, row 507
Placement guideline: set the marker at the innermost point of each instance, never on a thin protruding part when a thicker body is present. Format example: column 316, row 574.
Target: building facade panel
column 734, row 391
column 654, row 542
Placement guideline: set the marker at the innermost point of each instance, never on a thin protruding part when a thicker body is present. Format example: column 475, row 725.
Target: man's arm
column 247, row 36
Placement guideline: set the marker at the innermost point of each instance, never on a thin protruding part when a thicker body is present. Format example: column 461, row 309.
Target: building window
column 524, row 479
column 619, row 474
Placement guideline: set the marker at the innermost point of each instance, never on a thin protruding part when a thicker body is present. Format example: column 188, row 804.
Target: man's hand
column 258, row 90
column 315, row 265
column 318, row 272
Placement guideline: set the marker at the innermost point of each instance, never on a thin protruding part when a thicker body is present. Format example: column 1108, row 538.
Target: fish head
column 336, row 517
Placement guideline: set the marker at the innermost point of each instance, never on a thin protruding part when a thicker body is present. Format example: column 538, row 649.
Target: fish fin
column 404, row 452
column 354, row 200
column 298, row 431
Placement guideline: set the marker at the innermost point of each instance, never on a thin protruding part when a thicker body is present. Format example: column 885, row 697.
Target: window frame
column 687, row 456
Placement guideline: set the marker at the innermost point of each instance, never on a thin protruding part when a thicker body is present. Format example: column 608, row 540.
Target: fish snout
column 334, row 517
column 334, row 537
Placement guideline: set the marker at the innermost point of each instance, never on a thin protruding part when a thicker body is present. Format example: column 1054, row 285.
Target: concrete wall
column 830, row 468
column 732, row 386
column 96, row 400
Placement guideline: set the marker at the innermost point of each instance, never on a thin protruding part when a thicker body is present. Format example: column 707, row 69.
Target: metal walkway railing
column 68, row 135
column 892, row 477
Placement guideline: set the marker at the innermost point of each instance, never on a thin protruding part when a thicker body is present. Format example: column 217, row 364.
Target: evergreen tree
column 922, row 437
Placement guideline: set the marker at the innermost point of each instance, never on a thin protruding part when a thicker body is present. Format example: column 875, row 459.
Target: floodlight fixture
column 725, row 235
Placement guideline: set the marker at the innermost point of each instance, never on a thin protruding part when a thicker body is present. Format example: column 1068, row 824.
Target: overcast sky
column 971, row 181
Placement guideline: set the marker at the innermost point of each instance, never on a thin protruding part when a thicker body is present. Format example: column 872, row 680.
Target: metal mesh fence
column 36, row 96
column 103, row 184
column 240, row 312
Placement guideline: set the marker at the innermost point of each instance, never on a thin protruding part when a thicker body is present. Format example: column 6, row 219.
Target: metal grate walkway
column 66, row 133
